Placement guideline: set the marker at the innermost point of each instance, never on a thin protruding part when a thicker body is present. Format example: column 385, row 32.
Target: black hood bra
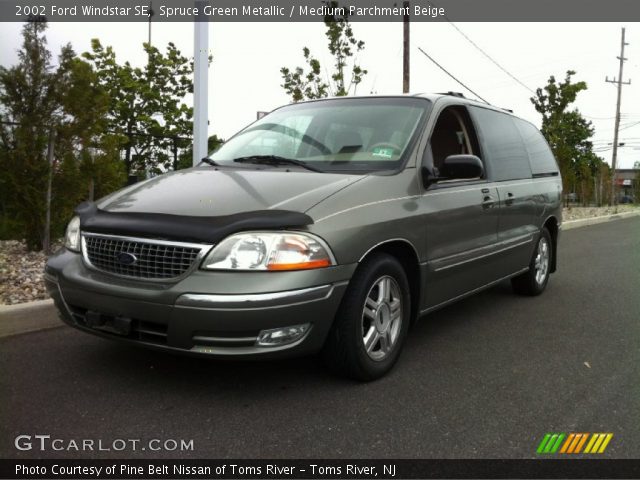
column 182, row 227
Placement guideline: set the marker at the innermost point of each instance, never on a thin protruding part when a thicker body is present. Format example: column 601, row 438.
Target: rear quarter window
column 503, row 145
column 540, row 156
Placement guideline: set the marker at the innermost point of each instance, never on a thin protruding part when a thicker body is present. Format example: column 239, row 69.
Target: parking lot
column 484, row 378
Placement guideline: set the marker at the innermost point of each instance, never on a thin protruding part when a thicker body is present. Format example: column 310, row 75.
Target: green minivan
column 326, row 226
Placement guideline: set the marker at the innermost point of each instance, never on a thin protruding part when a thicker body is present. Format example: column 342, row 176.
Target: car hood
column 206, row 191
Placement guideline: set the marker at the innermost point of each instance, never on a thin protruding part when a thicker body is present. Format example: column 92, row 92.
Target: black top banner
column 316, row 10
column 317, row 469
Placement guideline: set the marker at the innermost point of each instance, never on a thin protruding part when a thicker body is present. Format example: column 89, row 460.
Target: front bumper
column 207, row 313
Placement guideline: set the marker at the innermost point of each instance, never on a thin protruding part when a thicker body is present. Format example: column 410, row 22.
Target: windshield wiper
column 275, row 160
column 208, row 161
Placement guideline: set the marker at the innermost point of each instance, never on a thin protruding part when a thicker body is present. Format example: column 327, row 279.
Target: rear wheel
column 372, row 321
column 535, row 280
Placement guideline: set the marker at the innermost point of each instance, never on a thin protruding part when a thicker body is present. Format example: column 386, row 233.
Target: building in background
column 627, row 180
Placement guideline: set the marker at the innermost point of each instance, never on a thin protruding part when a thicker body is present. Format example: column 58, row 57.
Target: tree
column 568, row 132
column 51, row 136
column 30, row 95
column 309, row 84
column 146, row 109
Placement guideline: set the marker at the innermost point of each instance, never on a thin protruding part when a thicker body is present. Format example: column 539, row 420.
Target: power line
column 483, row 52
column 489, row 57
column 629, row 126
column 623, row 126
column 620, row 140
column 450, row 74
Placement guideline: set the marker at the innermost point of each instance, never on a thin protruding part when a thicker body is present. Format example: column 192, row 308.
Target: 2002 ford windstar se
column 326, row 226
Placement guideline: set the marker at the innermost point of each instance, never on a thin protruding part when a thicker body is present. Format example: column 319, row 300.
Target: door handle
column 509, row 200
column 488, row 202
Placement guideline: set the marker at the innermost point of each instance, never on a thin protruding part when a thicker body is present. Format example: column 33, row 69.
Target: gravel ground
column 577, row 213
column 21, row 271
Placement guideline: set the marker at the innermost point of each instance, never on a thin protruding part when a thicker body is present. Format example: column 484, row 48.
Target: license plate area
column 117, row 325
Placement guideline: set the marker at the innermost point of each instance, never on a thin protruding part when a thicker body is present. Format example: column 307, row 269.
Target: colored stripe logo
column 574, row 443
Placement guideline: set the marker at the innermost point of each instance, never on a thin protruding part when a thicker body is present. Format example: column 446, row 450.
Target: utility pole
column 200, row 86
column 619, row 82
column 150, row 15
column 405, row 48
column 149, row 38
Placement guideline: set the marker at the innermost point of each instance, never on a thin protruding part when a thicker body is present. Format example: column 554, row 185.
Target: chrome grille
column 150, row 259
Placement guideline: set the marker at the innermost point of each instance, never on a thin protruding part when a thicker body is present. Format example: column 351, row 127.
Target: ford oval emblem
column 126, row 258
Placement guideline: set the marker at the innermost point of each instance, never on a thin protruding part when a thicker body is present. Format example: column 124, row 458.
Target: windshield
column 364, row 134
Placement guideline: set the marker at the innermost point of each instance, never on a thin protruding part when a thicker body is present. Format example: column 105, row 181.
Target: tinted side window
column 540, row 157
column 504, row 148
column 453, row 134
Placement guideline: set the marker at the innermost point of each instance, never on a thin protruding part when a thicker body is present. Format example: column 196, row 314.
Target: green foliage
column 28, row 100
column 569, row 134
column 39, row 102
column 91, row 109
column 301, row 84
column 146, row 109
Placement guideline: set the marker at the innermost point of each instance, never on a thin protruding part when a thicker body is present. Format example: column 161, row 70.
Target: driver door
column 461, row 216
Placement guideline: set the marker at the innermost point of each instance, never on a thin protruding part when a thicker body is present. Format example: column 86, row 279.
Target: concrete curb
column 583, row 222
column 20, row 307
column 28, row 317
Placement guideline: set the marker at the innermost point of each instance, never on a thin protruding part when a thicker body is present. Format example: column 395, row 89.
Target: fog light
column 282, row 336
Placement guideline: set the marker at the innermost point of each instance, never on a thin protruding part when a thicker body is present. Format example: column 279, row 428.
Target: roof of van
column 429, row 96
column 435, row 96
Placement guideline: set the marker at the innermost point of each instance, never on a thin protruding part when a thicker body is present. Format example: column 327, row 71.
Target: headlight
column 269, row 251
column 72, row 237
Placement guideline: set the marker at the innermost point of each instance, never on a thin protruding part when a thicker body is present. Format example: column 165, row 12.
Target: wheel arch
column 406, row 253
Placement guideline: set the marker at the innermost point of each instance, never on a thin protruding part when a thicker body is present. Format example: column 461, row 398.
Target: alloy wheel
column 541, row 263
column 382, row 318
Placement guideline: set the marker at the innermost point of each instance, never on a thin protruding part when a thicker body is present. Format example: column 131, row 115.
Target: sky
column 244, row 77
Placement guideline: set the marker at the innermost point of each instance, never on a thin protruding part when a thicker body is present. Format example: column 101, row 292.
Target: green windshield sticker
column 382, row 152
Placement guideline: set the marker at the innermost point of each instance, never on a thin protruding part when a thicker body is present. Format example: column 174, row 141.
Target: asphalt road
column 485, row 378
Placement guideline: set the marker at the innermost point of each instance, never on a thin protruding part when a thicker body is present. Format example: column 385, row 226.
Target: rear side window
column 541, row 159
column 504, row 149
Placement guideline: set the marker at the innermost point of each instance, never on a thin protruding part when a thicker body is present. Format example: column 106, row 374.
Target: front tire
column 534, row 281
column 372, row 322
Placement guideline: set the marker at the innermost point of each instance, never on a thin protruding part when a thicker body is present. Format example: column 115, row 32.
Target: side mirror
column 461, row 167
